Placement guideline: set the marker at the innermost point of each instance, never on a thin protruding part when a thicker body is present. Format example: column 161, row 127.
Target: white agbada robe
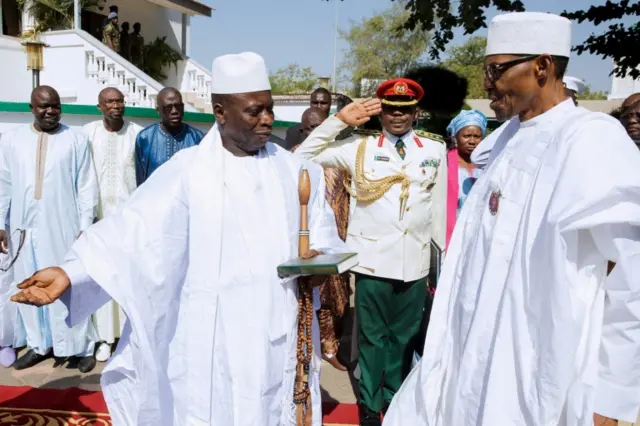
column 191, row 258
column 113, row 156
column 50, row 184
column 8, row 310
column 525, row 328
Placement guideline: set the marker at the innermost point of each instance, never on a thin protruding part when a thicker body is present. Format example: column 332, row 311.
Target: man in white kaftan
column 113, row 143
column 48, row 180
column 8, row 310
column 526, row 329
column 191, row 258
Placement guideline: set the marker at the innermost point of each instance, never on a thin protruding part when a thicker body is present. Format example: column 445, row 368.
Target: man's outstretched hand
column 316, row 280
column 599, row 420
column 4, row 242
column 311, row 253
column 357, row 113
column 43, row 288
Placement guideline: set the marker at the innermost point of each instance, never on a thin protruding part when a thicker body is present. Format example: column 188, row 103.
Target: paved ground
column 337, row 386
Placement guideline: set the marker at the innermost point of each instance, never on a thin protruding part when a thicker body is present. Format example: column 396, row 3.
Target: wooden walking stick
column 304, row 192
column 304, row 349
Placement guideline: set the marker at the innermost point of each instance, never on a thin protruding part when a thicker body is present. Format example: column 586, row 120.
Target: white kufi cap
column 529, row 33
column 574, row 84
column 241, row 73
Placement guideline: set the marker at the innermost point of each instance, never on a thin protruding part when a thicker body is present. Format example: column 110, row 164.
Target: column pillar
column 28, row 21
column 76, row 14
column 185, row 34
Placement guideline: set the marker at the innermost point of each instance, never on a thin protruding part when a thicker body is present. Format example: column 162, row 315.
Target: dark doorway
column 92, row 23
column 11, row 18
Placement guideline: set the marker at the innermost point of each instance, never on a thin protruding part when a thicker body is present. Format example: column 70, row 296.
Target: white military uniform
column 391, row 244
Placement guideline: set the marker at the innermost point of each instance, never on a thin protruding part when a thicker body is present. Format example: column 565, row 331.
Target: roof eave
column 189, row 7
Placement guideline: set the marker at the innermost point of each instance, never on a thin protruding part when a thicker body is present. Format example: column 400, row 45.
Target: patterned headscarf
column 467, row 118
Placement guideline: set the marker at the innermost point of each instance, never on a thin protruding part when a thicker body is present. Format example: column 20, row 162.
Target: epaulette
column 367, row 132
column 428, row 135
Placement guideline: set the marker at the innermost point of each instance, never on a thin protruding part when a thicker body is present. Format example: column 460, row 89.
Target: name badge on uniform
column 381, row 158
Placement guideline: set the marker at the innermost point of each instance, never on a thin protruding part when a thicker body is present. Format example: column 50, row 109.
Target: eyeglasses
column 22, row 237
column 493, row 72
column 170, row 107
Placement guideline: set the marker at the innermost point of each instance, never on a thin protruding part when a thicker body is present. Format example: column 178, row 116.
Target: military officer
column 111, row 33
column 136, row 46
column 399, row 188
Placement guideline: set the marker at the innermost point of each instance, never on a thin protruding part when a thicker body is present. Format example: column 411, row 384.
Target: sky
column 302, row 32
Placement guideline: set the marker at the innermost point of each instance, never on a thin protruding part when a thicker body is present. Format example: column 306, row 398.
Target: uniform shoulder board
column 428, row 135
column 367, row 132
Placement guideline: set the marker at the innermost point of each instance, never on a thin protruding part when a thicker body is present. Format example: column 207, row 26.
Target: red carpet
column 22, row 406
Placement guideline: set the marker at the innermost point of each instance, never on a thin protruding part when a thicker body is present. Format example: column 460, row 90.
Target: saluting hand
column 43, row 288
column 357, row 113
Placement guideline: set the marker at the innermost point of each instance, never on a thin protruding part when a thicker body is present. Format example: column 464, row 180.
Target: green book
column 323, row 264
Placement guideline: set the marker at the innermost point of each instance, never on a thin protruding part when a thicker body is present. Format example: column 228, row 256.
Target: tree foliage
column 158, row 57
column 379, row 47
column 467, row 61
column 444, row 90
column 588, row 95
column 53, row 14
column 444, row 96
column 619, row 42
column 293, row 80
column 441, row 18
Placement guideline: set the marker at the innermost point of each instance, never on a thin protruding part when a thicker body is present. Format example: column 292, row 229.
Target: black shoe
column 86, row 364
column 369, row 417
column 29, row 359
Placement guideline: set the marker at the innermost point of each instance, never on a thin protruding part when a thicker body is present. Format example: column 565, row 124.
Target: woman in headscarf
column 466, row 131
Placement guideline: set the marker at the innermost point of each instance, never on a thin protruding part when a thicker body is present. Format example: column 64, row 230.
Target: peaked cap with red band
column 400, row 88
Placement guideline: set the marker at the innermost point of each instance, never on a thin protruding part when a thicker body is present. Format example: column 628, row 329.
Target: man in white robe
column 48, row 181
column 526, row 329
column 8, row 311
column 211, row 336
column 113, row 143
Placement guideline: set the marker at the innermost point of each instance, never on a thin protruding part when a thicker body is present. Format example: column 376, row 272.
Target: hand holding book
column 320, row 264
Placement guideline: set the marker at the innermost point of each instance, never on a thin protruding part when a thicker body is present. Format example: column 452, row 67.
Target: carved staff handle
column 304, row 192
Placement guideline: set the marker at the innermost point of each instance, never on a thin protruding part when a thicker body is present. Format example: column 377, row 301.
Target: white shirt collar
column 551, row 116
column 406, row 138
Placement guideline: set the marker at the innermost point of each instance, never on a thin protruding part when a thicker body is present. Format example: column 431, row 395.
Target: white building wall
column 66, row 70
column 15, row 79
column 174, row 29
column 153, row 18
column 622, row 88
